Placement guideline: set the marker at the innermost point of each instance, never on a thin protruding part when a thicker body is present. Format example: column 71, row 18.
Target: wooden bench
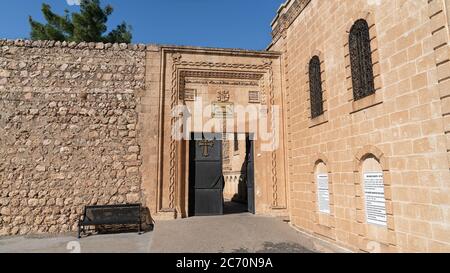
column 110, row 215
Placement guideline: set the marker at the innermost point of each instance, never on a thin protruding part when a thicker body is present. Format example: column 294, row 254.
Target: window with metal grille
column 361, row 60
column 236, row 142
column 315, row 87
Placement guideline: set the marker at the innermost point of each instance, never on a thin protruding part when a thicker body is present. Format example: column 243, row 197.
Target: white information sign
column 375, row 199
column 323, row 193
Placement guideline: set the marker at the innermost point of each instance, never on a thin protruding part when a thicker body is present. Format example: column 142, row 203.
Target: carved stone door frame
column 177, row 69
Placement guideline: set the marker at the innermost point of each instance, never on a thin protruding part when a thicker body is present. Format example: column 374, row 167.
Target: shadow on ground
column 270, row 247
column 230, row 207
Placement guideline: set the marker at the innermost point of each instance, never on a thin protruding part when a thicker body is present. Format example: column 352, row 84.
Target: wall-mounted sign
column 375, row 199
column 323, row 193
column 223, row 110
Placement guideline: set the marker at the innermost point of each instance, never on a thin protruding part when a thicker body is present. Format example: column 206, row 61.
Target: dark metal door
column 206, row 176
column 250, row 176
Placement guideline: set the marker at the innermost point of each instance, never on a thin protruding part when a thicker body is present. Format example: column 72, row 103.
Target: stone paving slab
column 237, row 233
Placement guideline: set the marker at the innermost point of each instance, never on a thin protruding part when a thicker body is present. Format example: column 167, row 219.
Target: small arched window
column 315, row 87
column 361, row 60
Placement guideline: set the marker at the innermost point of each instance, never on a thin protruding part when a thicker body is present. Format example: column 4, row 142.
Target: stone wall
column 68, row 131
column 402, row 126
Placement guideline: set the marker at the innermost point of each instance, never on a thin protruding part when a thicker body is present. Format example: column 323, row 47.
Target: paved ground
column 238, row 233
column 233, row 233
column 113, row 243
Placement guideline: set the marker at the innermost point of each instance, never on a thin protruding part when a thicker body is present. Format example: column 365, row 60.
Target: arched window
column 361, row 60
column 315, row 87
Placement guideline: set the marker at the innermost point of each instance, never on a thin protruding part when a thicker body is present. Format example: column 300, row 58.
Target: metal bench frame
column 85, row 221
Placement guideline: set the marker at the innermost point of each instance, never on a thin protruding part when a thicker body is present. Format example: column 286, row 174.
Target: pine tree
column 89, row 25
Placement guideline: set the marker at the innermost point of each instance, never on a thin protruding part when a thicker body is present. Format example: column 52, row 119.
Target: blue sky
column 213, row 23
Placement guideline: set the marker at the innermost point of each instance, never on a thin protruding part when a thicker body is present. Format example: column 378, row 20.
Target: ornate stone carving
column 259, row 75
column 274, row 154
column 221, row 74
column 176, row 59
column 222, row 65
column 221, row 82
column 253, row 97
column 267, row 62
column 263, row 94
column 189, row 95
column 223, row 96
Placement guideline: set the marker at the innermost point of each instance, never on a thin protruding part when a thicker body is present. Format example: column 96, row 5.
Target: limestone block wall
column 68, row 131
column 404, row 127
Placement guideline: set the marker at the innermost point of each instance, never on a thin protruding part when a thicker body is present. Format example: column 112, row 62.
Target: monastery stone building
column 357, row 91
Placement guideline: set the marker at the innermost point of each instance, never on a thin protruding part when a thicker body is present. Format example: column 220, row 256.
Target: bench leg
column 140, row 224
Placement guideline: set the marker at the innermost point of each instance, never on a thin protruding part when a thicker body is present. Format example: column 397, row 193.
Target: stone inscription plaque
column 375, row 199
column 323, row 193
column 224, row 110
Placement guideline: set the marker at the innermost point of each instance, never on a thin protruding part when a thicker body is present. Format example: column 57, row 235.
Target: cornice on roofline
column 286, row 15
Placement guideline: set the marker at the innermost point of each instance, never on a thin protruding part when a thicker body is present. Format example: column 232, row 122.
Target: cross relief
column 206, row 145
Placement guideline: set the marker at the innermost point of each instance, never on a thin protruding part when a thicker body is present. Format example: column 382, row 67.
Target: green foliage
column 89, row 25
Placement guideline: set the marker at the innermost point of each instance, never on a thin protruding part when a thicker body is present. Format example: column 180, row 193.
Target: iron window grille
column 361, row 60
column 315, row 87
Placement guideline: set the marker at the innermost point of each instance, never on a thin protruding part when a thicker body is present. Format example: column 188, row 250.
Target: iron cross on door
column 206, row 144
